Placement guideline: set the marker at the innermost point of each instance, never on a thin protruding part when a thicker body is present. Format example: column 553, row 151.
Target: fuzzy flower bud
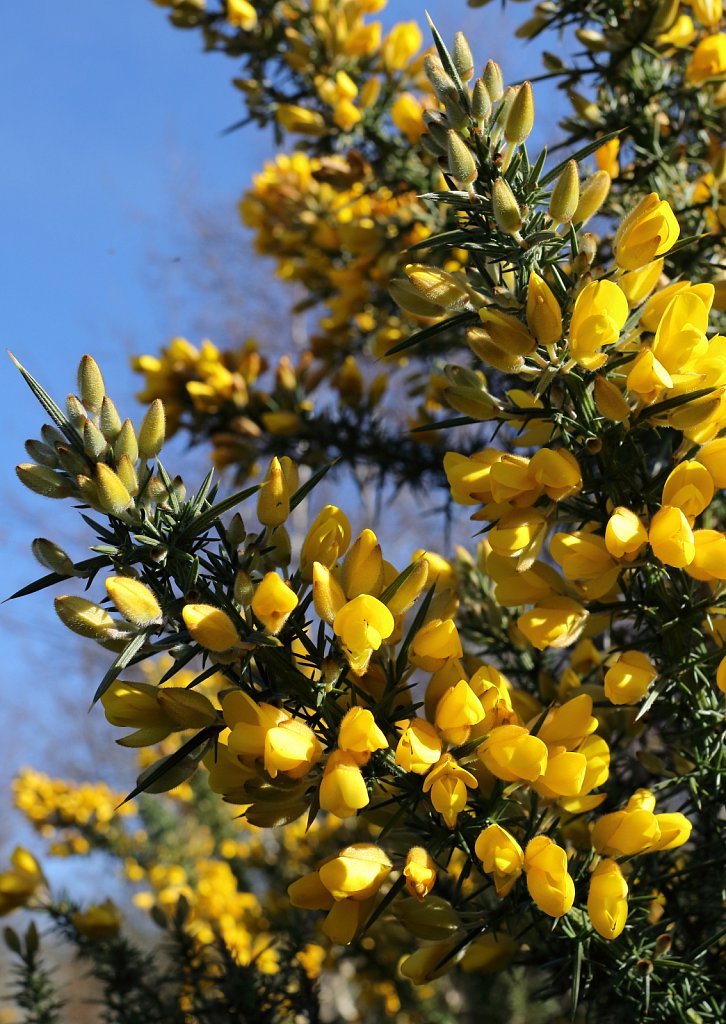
column 134, row 600
column 592, row 195
column 152, row 430
column 90, row 384
column 460, row 159
column 566, row 194
column 506, row 209
column 210, row 627
column 520, row 118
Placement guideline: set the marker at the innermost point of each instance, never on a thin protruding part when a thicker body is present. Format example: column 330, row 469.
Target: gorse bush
column 489, row 775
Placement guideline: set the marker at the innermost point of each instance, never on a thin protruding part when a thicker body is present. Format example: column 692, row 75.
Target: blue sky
column 111, row 125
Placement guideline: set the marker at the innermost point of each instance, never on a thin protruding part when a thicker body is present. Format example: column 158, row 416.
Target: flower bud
column 152, row 430
column 75, row 411
column 463, row 60
column 419, row 872
column 127, row 475
column 273, row 499
column 95, row 444
column 566, row 194
column 210, row 627
column 356, row 873
column 112, row 495
column 43, row 480
column 438, row 287
column 126, row 443
column 592, row 195
column 42, row 453
column 53, row 557
column 362, row 569
column 520, row 118
column 505, row 207
column 481, row 104
column 109, row 420
column 460, row 159
column 492, row 78
column 83, row 617
column 411, row 300
column 440, row 81
column 134, row 600
column 481, row 344
column 90, row 384
column 410, row 589
column 328, row 595
column 273, row 602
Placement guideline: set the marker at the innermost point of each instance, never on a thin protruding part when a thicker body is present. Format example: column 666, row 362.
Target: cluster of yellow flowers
column 333, row 229
column 459, row 739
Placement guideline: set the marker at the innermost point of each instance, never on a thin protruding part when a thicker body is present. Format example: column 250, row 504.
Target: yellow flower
column 553, row 622
column 241, row 14
column 299, row 119
column 501, row 856
column 690, row 488
column 708, row 60
column 326, row 540
column 544, row 316
column 457, row 710
column 671, row 537
column 101, row 921
column 291, row 747
column 273, row 602
column 682, row 33
column 649, row 230
column 359, row 735
column 419, row 872
column 548, row 881
column 600, row 312
column 625, row 833
column 356, row 873
column 434, row 643
column 607, row 903
column 447, row 782
column 399, row 46
column 419, row 746
column 512, row 754
column 407, row 115
column 19, row 884
column 362, row 625
column 625, row 535
column 606, row 157
column 343, row 790
column 155, row 711
column 628, row 678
